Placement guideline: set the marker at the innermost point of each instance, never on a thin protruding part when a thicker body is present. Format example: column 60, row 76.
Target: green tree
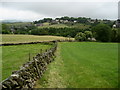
column 5, row 32
column 102, row 32
column 5, row 29
column 4, row 26
column 88, row 34
column 80, row 37
column 114, row 35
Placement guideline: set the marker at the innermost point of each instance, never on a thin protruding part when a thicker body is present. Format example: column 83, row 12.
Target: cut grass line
column 52, row 77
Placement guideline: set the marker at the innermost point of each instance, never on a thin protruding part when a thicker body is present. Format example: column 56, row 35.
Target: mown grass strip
column 52, row 77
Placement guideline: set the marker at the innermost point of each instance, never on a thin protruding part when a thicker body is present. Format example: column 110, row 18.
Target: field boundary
column 9, row 44
column 31, row 71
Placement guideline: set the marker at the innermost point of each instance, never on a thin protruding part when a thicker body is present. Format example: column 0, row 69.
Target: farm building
column 118, row 23
column 39, row 24
column 114, row 26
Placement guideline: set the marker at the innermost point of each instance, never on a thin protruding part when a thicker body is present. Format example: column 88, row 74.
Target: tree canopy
column 102, row 32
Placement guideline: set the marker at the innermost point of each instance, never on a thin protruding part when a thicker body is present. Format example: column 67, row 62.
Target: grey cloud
column 102, row 10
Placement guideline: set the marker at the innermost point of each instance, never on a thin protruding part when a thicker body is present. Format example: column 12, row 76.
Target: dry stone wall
column 31, row 71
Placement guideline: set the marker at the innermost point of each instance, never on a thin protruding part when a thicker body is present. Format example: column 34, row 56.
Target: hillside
column 77, row 25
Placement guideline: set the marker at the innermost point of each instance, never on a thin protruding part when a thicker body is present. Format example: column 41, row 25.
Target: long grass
column 7, row 38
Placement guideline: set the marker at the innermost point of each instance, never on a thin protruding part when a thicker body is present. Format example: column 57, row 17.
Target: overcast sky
column 34, row 10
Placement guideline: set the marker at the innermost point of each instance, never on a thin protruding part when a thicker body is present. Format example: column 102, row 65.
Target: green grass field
column 7, row 38
column 15, row 56
column 82, row 65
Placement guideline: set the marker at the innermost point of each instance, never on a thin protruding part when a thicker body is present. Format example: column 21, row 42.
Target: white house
column 114, row 26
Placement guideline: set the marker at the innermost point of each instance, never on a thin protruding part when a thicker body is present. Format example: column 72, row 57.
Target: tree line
column 101, row 32
column 58, row 31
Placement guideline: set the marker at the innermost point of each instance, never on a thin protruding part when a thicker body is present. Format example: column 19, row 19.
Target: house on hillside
column 114, row 26
column 61, row 21
column 54, row 22
column 65, row 21
column 91, row 21
column 75, row 21
column 39, row 24
column 12, row 30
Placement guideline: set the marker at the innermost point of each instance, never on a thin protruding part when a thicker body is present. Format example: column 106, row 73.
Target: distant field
column 83, row 65
column 18, row 24
column 53, row 26
column 81, row 26
column 14, row 56
column 28, row 38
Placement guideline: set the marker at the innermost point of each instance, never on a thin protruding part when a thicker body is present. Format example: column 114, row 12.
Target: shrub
column 5, row 32
column 88, row 34
column 80, row 37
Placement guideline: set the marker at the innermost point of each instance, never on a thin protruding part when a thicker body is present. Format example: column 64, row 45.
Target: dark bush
column 102, row 32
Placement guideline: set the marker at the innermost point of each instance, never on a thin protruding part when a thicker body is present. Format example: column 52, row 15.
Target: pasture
column 7, row 38
column 77, row 64
column 81, row 26
column 53, row 26
column 15, row 56
column 82, row 65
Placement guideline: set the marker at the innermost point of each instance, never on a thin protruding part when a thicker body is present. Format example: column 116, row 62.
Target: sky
column 31, row 10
